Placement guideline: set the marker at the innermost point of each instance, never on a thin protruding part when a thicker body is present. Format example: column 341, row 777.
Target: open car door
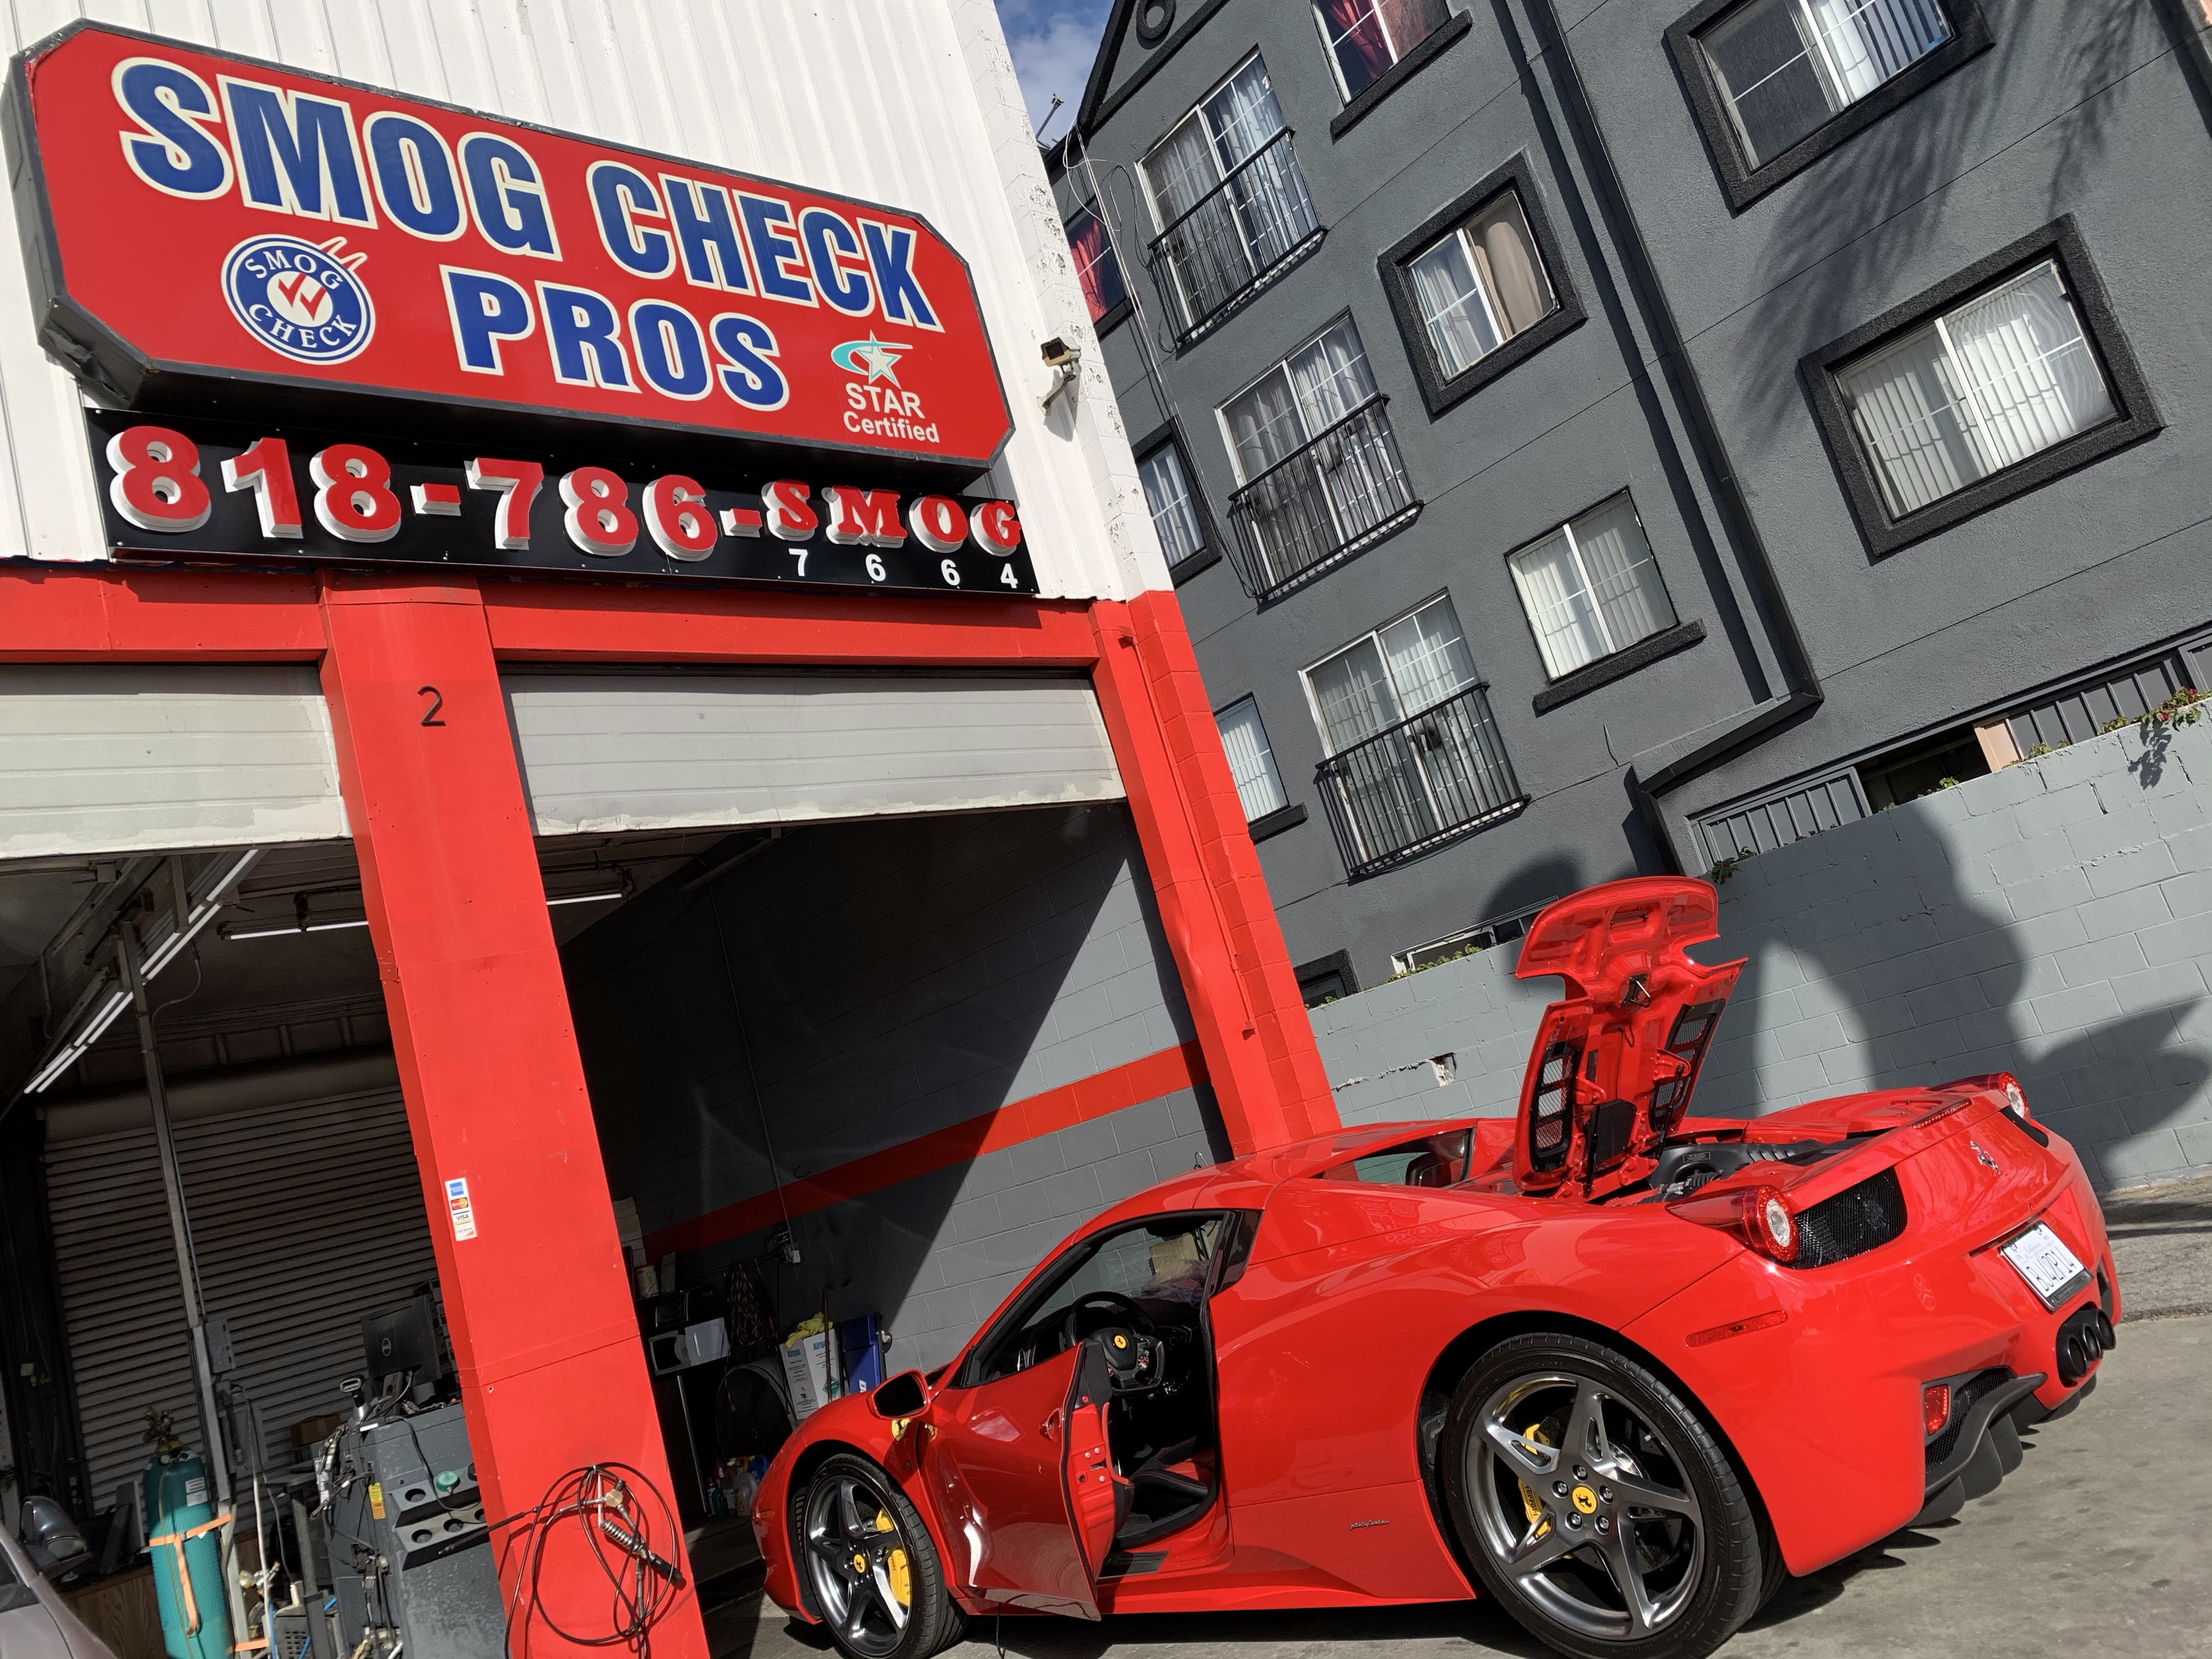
column 1613, row 1063
column 1025, row 1486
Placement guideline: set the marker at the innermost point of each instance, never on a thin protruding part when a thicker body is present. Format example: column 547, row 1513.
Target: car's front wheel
column 871, row 1571
column 1595, row 1504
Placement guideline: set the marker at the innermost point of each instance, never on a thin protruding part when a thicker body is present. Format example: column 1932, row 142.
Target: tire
column 850, row 1511
column 1692, row 1546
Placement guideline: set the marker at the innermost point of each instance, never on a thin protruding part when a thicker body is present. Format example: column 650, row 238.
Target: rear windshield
column 1438, row 1160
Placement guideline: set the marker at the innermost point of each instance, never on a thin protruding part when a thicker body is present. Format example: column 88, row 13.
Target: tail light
column 1760, row 1216
column 1935, row 1407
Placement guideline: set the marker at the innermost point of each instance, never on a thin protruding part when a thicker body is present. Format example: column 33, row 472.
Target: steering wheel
column 1136, row 1358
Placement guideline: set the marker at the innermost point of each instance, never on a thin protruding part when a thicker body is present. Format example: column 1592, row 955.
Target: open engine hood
column 1613, row 1064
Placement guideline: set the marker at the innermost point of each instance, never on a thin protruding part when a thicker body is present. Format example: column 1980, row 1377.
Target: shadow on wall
column 2053, row 920
column 855, row 986
column 1896, row 166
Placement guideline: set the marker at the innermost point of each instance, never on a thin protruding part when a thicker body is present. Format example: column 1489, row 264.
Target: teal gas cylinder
column 186, row 1544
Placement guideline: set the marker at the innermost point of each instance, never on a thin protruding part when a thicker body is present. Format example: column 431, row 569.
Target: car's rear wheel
column 1595, row 1504
column 871, row 1571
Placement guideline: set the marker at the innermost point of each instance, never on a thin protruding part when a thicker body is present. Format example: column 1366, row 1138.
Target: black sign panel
column 204, row 491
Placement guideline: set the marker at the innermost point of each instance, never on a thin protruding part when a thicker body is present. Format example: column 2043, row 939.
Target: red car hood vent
column 1613, row 1064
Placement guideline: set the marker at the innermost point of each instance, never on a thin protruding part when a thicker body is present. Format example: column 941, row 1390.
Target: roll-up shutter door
column 607, row 750
column 111, row 759
column 305, row 1217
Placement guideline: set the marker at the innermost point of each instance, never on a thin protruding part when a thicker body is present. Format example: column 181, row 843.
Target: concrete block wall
column 2053, row 920
column 896, row 977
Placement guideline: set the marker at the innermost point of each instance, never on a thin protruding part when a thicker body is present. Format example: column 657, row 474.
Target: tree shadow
column 1816, row 288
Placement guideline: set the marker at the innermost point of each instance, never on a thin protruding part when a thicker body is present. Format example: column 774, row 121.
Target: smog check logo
column 872, row 357
column 299, row 299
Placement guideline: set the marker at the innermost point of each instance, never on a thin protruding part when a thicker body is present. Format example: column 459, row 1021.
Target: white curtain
column 1624, row 579
column 1168, row 494
column 1452, row 302
column 1353, row 697
column 1244, row 115
column 2026, row 378
column 1868, row 41
column 1264, row 425
column 1250, row 761
column 1332, row 378
column 1428, row 657
column 1996, row 380
column 1568, row 631
column 1180, row 171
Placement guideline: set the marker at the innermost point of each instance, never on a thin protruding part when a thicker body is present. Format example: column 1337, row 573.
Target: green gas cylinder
column 185, row 1542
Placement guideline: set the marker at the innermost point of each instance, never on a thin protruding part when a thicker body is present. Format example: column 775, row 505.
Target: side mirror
column 51, row 1539
column 904, row 1395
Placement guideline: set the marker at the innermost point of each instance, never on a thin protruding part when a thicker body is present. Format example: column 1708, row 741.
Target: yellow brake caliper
column 1536, row 1516
column 895, row 1563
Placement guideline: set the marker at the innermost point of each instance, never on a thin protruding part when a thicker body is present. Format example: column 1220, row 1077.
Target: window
column 1095, row 266
column 1985, row 384
column 1366, row 37
column 1413, row 757
column 1478, row 286
column 1326, row 979
column 1591, row 588
column 1483, row 936
column 1229, row 199
column 1481, row 286
column 1251, row 762
column 2008, row 375
column 1778, row 83
column 1785, row 66
column 1161, row 1259
column 1320, row 469
column 1438, row 1160
column 1174, row 513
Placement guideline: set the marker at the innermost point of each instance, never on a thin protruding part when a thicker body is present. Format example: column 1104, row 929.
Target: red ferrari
column 1624, row 1369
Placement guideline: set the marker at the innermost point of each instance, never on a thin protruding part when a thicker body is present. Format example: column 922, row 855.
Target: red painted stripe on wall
column 1018, row 1120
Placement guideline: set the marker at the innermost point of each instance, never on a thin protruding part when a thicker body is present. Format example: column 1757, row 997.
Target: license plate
column 2054, row 1273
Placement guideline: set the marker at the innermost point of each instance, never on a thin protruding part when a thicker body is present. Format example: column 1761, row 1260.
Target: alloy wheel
column 1584, row 1503
column 857, row 1563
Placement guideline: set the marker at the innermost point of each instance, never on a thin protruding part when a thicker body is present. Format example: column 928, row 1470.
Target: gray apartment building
column 1594, row 438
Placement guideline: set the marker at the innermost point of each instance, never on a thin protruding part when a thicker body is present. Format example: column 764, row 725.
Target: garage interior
column 871, row 995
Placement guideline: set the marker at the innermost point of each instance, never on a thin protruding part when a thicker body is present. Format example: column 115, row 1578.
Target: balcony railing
column 1414, row 786
column 1234, row 239
column 1320, row 504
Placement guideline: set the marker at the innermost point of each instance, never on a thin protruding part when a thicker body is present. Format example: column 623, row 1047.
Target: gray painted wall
column 2054, row 921
column 2076, row 109
column 896, row 977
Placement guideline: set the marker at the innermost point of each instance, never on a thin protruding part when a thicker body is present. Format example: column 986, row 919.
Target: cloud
column 1053, row 43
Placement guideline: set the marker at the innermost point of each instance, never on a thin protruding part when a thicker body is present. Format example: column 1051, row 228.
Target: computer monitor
column 405, row 1338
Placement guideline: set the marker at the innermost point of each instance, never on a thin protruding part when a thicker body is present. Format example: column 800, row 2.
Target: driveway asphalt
column 2095, row 1545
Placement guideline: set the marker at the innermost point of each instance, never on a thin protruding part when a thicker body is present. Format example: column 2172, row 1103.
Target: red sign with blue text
column 197, row 224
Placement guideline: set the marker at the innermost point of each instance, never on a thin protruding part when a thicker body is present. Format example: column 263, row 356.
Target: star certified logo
column 299, row 298
column 871, row 356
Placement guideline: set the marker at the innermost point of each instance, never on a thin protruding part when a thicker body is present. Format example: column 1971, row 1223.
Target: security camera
column 1058, row 354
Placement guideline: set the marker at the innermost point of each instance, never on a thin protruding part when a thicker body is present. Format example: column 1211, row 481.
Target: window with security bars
column 1982, row 386
column 1174, row 513
column 1786, row 68
column 1363, row 38
column 1228, row 197
column 1096, row 268
column 1591, row 588
column 1481, row 285
column 1251, row 761
column 1316, row 460
column 1414, row 757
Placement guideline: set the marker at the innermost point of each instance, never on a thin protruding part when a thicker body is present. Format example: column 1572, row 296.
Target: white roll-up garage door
column 605, row 750
column 305, row 1217
column 150, row 756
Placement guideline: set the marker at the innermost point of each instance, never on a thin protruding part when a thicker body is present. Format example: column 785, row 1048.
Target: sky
column 1053, row 42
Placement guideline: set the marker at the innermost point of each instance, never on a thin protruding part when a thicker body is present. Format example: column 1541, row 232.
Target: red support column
column 552, row 1373
column 1220, row 922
